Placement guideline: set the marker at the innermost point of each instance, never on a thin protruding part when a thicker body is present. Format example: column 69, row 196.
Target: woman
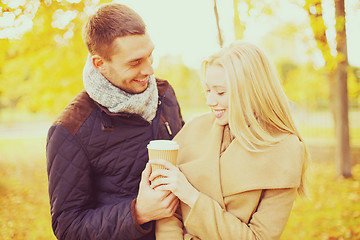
column 239, row 167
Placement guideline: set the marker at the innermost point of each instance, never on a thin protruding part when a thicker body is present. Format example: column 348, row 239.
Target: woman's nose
column 211, row 100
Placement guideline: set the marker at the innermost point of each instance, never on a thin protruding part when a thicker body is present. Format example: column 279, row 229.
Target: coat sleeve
column 73, row 210
column 207, row 220
column 170, row 228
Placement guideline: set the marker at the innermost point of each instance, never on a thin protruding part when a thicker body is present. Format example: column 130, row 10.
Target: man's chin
column 139, row 88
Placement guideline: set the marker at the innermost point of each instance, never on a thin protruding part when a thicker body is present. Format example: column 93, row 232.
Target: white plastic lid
column 163, row 145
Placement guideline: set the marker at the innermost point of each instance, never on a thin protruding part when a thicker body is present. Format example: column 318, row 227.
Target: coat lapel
column 278, row 166
column 199, row 161
column 238, row 170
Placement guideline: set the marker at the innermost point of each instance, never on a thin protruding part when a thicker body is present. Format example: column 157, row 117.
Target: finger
column 163, row 188
column 174, row 205
column 163, row 162
column 159, row 172
column 145, row 175
column 172, row 197
column 174, row 200
column 164, row 195
column 159, row 181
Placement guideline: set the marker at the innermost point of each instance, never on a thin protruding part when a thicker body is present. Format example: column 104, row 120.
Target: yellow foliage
column 184, row 80
column 354, row 87
column 334, row 209
column 306, row 86
column 332, row 213
column 42, row 71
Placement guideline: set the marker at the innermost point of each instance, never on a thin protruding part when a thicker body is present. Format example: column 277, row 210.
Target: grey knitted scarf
column 115, row 99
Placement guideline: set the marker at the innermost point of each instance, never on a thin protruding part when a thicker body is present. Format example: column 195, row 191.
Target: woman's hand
column 173, row 180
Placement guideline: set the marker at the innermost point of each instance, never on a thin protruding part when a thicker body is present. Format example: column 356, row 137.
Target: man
column 96, row 149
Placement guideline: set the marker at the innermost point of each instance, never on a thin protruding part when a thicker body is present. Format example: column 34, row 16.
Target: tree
column 186, row 81
column 336, row 66
column 239, row 24
column 220, row 38
column 343, row 155
column 41, row 68
column 250, row 9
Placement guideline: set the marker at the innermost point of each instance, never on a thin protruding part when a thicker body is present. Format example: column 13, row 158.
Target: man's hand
column 153, row 204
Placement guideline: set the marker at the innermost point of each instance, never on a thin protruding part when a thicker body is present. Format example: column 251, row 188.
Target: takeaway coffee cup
column 162, row 149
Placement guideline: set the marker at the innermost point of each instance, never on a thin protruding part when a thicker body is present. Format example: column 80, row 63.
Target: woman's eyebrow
column 219, row 86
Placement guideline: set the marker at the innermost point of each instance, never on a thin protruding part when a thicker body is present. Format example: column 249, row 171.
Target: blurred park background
column 42, row 55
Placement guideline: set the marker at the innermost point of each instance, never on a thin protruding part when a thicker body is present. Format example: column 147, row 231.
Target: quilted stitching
column 94, row 175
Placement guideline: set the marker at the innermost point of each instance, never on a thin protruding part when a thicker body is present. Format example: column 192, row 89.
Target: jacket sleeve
column 207, row 220
column 71, row 191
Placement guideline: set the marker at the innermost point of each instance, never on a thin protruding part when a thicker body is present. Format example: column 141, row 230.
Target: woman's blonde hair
column 258, row 106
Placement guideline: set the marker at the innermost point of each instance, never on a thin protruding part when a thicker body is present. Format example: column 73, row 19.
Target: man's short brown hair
column 110, row 21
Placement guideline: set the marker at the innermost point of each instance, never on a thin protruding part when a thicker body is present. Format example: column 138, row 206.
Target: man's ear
column 99, row 63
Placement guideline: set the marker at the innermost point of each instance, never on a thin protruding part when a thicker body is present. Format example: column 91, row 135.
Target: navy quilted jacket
column 94, row 163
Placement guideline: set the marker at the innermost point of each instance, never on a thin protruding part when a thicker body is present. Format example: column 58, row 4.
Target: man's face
column 131, row 63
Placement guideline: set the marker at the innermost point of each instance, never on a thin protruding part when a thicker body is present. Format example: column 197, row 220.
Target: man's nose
column 147, row 68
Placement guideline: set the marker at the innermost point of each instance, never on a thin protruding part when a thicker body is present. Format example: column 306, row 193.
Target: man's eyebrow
column 140, row 58
column 134, row 59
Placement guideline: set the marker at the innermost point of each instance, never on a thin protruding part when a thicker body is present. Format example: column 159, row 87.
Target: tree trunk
column 220, row 39
column 337, row 73
column 332, row 94
column 343, row 155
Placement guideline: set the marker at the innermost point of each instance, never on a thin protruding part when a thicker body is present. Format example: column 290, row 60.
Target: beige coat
column 244, row 195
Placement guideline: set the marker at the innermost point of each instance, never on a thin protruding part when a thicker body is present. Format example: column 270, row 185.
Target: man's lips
column 143, row 81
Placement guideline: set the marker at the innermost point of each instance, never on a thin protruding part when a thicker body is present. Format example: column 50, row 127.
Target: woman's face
column 217, row 96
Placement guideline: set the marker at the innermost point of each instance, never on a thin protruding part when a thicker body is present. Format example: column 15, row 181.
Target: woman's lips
column 218, row 112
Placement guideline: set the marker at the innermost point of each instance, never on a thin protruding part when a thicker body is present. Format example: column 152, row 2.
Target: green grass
column 332, row 213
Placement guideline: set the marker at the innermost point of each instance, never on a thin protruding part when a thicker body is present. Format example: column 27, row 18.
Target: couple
column 238, row 168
